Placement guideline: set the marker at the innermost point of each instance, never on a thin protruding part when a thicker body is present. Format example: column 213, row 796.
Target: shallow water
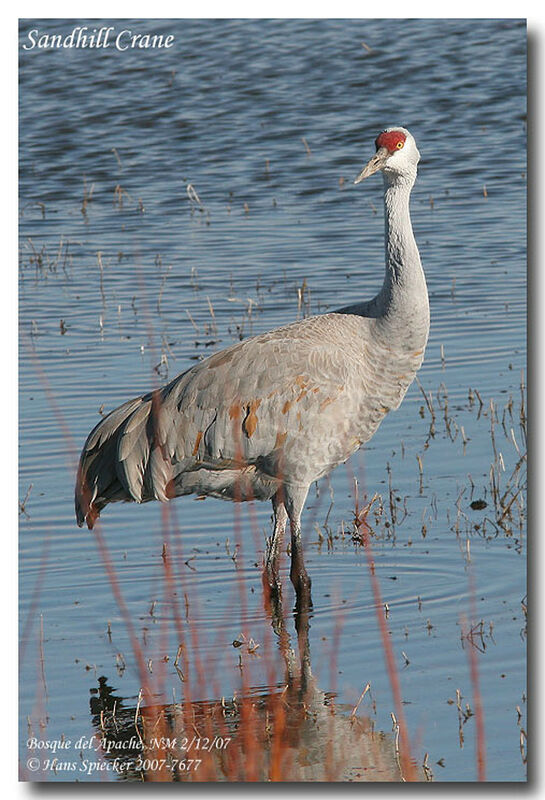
column 226, row 110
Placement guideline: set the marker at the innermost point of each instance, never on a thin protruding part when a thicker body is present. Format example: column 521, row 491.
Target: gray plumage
column 267, row 416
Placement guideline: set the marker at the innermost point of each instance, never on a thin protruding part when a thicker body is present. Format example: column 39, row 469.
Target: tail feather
column 101, row 477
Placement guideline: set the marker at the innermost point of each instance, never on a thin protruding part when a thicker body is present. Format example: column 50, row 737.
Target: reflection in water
column 293, row 731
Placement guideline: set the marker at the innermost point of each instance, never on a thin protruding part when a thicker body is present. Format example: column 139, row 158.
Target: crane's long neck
column 404, row 296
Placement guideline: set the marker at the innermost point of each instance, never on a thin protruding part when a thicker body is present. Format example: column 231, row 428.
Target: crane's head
column 397, row 154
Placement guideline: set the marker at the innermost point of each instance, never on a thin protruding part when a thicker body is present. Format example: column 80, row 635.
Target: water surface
column 108, row 143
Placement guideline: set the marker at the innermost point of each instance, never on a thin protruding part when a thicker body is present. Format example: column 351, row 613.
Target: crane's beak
column 377, row 162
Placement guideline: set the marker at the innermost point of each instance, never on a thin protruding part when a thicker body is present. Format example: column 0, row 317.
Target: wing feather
column 319, row 380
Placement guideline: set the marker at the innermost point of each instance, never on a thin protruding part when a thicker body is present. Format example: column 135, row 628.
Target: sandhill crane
column 266, row 417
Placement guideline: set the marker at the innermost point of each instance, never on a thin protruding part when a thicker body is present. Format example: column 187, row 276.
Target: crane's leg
column 295, row 497
column 275, row 543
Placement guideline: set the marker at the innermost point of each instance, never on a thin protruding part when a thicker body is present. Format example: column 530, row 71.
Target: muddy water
column 109, row 141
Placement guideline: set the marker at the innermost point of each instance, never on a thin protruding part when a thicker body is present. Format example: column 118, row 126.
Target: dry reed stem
column 406, row 762
column 29, row 621
column 480, row 739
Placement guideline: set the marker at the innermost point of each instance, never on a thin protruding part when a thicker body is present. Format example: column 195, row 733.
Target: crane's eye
column 399, row 145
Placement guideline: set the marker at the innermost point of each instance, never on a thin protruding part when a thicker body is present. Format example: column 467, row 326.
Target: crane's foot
column 271, row 578
column 301, row 583
column 272, row 584
column 272, row 592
